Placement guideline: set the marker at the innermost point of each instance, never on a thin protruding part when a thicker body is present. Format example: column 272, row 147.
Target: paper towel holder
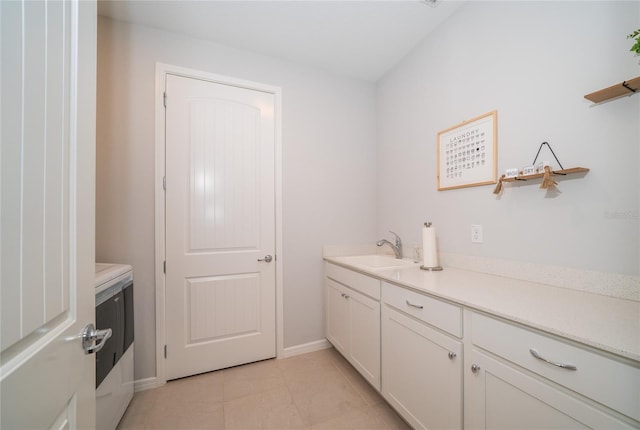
column 434, row 268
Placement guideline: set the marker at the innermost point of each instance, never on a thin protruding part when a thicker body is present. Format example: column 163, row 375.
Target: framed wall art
column 467, row 153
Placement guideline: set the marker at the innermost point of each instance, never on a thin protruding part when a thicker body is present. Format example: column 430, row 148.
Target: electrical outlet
column 476, row 233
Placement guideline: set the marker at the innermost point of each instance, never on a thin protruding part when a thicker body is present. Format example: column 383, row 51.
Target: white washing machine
column 114, row 362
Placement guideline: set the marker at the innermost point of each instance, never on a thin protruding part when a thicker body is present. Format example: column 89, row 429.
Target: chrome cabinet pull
column 475, row 368
column 346, row 296
column 415, row 306
column 553, row 363
column 452, row 355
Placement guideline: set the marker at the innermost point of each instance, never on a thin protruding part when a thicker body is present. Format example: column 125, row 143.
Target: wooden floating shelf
column 562, row 172
column 623, row 89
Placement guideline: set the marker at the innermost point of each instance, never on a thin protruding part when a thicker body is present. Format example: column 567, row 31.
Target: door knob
column 90, row 335
column 266, row 259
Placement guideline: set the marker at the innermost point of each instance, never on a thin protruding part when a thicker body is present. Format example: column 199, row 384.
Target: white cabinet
column 447, row 365
column 421, row 364
column 499, row 396
column 365, row 336
column 507, row 387
column 353, row 319
column 338, row 327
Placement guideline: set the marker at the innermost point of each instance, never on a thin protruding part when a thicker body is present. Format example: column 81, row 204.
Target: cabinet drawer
column 613, row 383
column 440, row 314
column 359, row 282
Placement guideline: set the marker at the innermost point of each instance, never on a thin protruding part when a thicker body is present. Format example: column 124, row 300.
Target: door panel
column 224, row 176
column 36, row 190
column 210, row 316
column 47, row 222
column 220, row 220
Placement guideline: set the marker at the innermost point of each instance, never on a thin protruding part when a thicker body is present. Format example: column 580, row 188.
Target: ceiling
column 360, row 39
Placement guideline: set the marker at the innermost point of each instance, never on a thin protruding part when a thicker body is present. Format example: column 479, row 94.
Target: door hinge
column 164, row 183
column 165, row 351
column 164, row 267
column 164, row 97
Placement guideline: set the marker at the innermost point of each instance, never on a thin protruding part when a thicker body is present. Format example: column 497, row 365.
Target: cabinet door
column 503, row 397
column 365, row 336
column 421, row 372
column 338, row 316
column 611, row 382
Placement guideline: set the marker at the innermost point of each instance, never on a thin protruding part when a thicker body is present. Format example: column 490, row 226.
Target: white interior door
column 47, row 213
column 220, row 226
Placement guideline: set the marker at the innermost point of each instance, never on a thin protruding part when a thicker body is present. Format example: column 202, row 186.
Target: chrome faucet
column 397, row 248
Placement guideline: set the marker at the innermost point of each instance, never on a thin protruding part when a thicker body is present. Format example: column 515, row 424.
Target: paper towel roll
column 429, row 250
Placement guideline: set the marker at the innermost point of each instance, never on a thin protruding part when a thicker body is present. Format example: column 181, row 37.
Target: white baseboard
column 305, row 348
column 146, row 384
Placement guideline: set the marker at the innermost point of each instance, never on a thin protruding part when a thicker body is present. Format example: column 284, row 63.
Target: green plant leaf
column 636, row 46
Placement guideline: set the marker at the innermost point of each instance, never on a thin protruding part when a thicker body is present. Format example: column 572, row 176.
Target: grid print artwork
column 467, row 153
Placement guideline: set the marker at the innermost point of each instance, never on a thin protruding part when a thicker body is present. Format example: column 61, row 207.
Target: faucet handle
column 398, row 240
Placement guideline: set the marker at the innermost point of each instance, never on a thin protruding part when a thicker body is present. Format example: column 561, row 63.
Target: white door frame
column 161, row 71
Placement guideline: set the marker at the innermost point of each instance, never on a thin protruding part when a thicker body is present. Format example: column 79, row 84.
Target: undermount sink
column 376, row 261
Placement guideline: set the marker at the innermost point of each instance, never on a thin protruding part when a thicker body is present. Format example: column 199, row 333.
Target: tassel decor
column 498, row 187
column 547, row 181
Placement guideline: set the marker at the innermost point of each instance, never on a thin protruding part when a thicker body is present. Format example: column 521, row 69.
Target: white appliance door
column 220, row 226
column 47, row 204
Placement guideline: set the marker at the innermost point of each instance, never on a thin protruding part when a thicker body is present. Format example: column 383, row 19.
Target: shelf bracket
column 633, row 90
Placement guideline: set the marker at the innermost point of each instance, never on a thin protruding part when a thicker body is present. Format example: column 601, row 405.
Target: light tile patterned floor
column 319, row 390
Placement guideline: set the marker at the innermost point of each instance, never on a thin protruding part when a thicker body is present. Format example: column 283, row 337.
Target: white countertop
column 106, row 272
column 607, row 323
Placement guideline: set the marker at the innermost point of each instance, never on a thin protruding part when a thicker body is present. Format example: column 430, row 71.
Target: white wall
column 328, row 166
column 532, row 62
